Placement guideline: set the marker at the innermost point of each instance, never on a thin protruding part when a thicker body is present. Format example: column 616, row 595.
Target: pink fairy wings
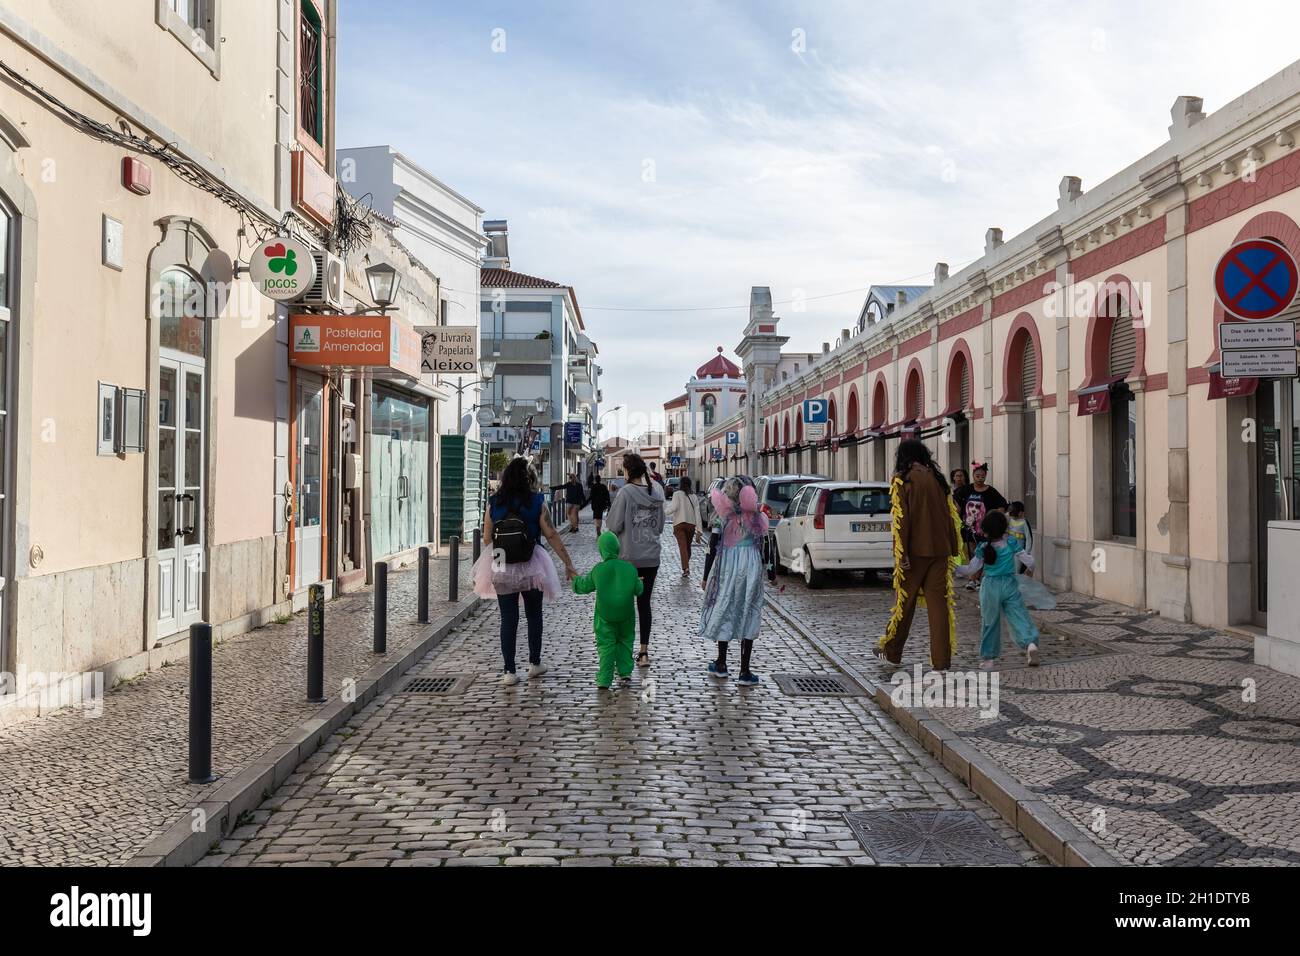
column 734, row 525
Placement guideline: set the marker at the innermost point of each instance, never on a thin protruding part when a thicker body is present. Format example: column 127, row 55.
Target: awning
column 954, row 412
column 1221, row 387
column 1095, row 399
column 382, row 345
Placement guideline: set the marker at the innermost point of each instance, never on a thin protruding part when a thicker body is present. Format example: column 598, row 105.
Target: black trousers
column 647, row 575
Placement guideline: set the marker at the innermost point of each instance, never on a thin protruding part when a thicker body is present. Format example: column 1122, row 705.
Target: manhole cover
column 946, row 837
column 815, row 685
column 443, row 684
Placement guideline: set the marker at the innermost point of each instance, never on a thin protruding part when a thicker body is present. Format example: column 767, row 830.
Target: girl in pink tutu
column 515, row 563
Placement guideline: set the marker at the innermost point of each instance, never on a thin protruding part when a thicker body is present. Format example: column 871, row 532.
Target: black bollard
column 422, row 599
column 478, row 542
column 201, row 703
column 381, row 608
column 316, row 643
column 453, row 570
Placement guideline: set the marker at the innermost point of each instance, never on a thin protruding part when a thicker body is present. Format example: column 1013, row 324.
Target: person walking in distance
column 637, row 517
column 926, row 546
column 977, row 500
column 684, row 512
column 599, row 497
column 513, row 566
column 574, row 500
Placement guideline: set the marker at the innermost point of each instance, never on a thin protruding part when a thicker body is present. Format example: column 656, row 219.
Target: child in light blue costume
column 1000, row 593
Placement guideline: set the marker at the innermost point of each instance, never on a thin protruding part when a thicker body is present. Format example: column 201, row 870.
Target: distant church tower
column 760, row 351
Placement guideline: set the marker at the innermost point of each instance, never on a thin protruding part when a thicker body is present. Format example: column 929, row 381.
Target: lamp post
column 384, row 283
column 486, row 369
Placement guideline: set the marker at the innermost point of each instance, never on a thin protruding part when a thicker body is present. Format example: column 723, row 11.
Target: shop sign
column 282, row 268
column 573, row 433
column 449, row 349
column 1221, row 387
column 380, row 343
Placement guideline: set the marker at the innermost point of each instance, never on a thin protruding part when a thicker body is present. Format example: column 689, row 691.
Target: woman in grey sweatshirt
column 637, row 517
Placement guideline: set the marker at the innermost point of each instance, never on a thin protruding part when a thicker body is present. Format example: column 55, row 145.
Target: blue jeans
column 509, row 604
column 999, row 597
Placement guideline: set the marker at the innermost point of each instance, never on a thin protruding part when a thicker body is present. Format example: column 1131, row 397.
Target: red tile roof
column 510, row 279
column 718, row 367
column 676, row 402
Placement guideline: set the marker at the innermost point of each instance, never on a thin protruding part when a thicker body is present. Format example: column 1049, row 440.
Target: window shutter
column 1123, row 343
column 1028, row 369
column 963, row 387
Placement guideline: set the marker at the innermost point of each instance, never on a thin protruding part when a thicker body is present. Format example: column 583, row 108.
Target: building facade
column 546, row 366
column 444, row 232
column 147, row 445
column 1080, row 359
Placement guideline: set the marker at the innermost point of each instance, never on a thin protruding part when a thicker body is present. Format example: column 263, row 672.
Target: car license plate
column 868, row 526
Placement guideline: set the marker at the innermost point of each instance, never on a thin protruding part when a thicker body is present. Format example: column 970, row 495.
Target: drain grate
column 816, row 685
column 945, row 837
column 443, row 684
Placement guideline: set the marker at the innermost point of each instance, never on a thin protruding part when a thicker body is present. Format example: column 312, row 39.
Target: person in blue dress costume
column 733, row 590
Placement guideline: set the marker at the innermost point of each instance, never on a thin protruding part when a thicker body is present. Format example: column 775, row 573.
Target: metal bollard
column 381, row 608
column 201, row 703
column 478, row 542
column 316, row 643
column 453, row 570
column 422, row 598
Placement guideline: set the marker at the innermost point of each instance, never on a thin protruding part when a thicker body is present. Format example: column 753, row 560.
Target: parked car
column 706, row 504
column 672, row 484
column 776, row 491
column 836, row 525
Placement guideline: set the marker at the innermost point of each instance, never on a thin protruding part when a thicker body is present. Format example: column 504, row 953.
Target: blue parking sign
column 816, row 411
column 733, row 438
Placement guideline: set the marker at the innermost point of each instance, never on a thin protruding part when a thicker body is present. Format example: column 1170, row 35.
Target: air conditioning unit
column 327, row 290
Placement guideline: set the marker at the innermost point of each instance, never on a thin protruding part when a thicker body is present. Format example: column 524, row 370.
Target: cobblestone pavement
column 675, row 769
column 1159, row 739
column 76, row 790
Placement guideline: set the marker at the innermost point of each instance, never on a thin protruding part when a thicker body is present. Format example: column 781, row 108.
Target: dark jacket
column 926, row 529
column 599, row 496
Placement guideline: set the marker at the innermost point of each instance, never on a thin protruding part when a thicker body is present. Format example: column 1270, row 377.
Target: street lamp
column 383, row 281
column 486, row 369
column 507, row 405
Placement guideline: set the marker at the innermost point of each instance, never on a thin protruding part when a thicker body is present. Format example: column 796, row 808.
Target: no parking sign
column 1256, row 279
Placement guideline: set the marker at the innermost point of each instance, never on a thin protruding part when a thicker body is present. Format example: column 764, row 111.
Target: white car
column 836, row 525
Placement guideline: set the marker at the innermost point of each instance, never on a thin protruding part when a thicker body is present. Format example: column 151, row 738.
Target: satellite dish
column 218, row 268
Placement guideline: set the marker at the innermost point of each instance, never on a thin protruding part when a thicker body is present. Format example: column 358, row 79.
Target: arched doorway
column 181, row 467
column 850, row 428
column 879, row 416
column 1022, row 388
column 959, row 406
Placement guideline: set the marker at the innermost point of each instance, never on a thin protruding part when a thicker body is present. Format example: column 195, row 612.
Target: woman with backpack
column 637, row 517
column 512, row 565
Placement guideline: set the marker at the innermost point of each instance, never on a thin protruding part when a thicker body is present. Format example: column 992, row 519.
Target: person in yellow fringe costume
column 927, row 547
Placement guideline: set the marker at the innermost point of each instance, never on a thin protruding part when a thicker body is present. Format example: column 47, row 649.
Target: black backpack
column 511, row 537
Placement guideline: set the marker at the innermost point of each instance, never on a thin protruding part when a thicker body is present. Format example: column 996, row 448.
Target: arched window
column 182, row 308
column 1116, row 323
column 709, row 404
column 915, row 400
column 832, row 417
column 851, row 421
column 879, row 405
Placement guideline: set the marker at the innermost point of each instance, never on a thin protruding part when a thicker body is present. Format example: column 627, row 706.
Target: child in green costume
column 616, row 584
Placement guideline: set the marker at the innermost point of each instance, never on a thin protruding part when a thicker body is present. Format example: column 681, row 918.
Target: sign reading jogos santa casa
column 282, row 268
column 380, row 343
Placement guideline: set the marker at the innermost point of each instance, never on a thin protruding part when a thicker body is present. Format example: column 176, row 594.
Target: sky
column 662, row 158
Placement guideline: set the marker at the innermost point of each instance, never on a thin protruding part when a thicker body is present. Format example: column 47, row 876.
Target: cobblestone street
column 95, row 791
column 675, row 769
column 1160, row 741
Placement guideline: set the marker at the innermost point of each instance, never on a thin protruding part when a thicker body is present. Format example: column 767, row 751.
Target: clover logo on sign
column 281, row 260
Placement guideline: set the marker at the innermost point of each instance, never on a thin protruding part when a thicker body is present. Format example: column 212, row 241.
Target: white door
column 181, row 443
column 308, row 517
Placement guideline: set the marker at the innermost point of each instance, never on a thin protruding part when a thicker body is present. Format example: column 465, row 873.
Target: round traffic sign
column 1256, row 279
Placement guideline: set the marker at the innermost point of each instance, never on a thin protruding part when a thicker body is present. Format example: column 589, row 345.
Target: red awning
column 1095, row 399
column 1221, row 387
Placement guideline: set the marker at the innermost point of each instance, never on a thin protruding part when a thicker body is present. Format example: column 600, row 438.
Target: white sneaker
column 536, row 670
column 988, row 665
column 509, row 679
column 1031, row 653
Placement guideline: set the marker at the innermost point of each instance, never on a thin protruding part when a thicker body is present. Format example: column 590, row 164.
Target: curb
column 1051, row 834
column 181, row 845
